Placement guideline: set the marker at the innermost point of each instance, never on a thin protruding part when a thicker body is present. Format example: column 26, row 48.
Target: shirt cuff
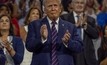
column 43, row 41
column 66, row 45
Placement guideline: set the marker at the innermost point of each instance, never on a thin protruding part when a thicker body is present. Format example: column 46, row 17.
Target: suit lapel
column 71, row 18
column 61, row 30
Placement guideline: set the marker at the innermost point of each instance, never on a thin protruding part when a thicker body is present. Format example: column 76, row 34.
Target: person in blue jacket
column 102, row 17
column 12, row 46
column 51, row 39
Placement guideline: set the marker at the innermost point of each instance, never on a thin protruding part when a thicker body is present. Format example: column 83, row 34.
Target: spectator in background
column 92, row 11
column 87, row 30
column 102, row 17
column 31, row 3
column 18, row 10
column 65, row 4
column 100, row 4
column 22, row 7
column 14, row 20
column 92, row 8
column 33, row 14
column 102, row 52
column 13, row 46
column 62, row 11
column 4, row 9
column 15, row 14
column 35, row 3
column 70, row 6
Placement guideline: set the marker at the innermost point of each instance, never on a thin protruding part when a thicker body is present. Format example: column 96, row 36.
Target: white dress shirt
column 76, row 20
column 56, row 25
column 50, row 23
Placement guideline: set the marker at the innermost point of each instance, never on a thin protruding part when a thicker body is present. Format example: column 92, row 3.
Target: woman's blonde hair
column 104, row 6
column 95, row 7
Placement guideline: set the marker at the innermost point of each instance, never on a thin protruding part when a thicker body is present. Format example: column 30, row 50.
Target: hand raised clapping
column 5, row 43
column 44, row 31
column 66, row 37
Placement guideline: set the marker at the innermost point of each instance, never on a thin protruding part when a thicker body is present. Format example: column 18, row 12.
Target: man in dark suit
column 88, row 31
column 40, row 39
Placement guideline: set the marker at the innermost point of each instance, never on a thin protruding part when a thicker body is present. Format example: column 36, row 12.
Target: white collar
column 75, row 14
column 51, row 21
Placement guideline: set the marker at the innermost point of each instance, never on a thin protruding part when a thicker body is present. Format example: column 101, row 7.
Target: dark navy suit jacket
column 87, row 56
column 42, row 52
column 2, row 57
column 18, row 46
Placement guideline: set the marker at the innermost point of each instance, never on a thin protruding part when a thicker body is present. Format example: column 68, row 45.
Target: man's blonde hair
column 44, row 1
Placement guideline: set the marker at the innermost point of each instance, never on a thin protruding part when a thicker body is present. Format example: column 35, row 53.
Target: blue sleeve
column 33, row 41
column 19, row 49
column 75, row 43
column 2, row 57
column 102, row 19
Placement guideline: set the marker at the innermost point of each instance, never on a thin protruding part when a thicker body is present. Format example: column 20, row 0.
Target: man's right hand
column 44, row 32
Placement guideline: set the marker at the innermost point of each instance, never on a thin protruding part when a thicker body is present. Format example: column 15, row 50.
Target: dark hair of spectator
column 30, row 2
column 10, row 7
column 11, row 26
column 21, row 3
column 104, row 39
column 1, row 5
column 69, row 1
column 26, row 22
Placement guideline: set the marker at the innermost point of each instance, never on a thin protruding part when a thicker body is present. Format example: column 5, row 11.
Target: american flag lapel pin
column 62, row 24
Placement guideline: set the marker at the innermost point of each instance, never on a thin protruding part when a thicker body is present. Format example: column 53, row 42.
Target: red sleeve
column 15, row 23
column 100, row 8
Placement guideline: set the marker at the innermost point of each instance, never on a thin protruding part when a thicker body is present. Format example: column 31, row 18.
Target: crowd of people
column 53, row 32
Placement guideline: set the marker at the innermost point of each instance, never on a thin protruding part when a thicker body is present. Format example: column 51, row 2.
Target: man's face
column 52, row 9
column 79, row 5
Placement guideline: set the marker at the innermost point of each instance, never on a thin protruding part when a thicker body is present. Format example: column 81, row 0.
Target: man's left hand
column 66, row 37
